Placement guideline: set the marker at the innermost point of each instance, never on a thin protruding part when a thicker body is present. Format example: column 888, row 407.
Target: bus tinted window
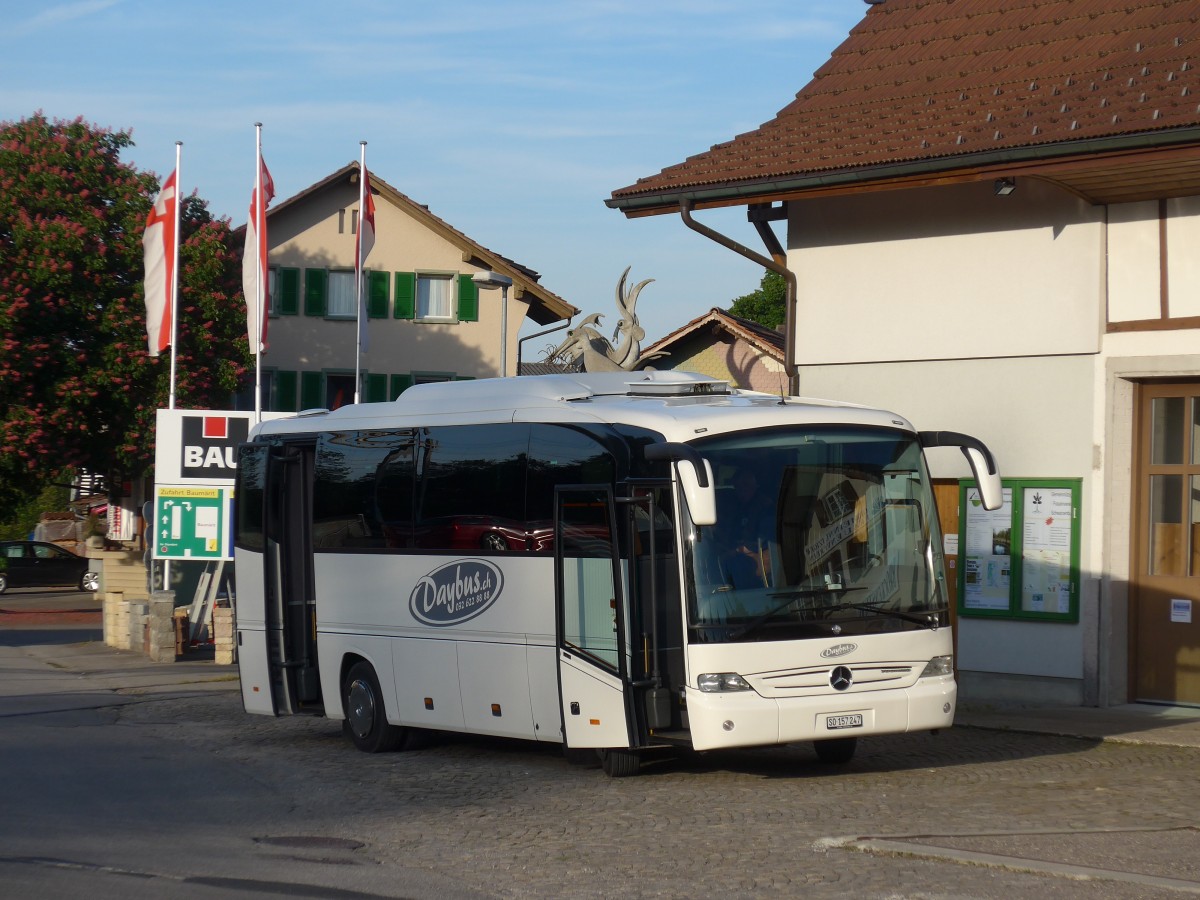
column 471, row 494
column 558, row 455
column 251, row 483
column 345, row 513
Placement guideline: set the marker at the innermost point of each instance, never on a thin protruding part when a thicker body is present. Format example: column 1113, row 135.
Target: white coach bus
column 614, row 562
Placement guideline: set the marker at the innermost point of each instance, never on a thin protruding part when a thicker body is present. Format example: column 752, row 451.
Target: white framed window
column 435, row 297
column 341, row 295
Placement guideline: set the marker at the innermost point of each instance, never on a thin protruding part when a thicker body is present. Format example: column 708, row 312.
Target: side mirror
column 696, row 479
column 991, row 493
column 979, row 457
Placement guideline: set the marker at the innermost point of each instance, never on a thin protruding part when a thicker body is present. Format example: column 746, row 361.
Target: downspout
column 777, row 263
column 521, row 342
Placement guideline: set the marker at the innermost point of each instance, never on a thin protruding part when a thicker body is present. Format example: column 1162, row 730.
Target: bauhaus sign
column 209, row 444
column 199, row 446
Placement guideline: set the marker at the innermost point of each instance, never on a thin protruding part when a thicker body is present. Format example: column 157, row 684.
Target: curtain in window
column 433, row 297
column 341, row 294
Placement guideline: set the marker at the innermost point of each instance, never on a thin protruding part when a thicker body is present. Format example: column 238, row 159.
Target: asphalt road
column 127, row 779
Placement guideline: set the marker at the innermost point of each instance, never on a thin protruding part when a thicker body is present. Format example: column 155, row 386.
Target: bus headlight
column 939, row 665
column 722, row 681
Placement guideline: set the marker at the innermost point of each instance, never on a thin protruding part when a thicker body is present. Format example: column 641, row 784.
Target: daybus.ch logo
column 838, row 650
column 455, row 592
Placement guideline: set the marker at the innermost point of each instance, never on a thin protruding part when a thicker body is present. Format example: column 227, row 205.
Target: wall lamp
column 1004, row 186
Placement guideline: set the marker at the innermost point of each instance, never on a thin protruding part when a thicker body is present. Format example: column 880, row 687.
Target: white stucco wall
column 947, row 273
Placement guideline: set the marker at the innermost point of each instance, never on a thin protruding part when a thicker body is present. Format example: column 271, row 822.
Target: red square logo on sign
column 216, row 427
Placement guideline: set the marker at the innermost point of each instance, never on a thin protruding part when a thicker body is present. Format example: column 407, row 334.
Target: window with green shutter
column 468, row 299
column 406, row 295
column 288, row 284
column 375, row 388
column 400, row 384
column 316, row 292
column 285, row 391
column 377, row 295
column 312, row 390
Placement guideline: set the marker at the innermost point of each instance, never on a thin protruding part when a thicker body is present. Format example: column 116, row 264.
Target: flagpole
column 358, row 304
column 175, row 281
column 258, row 210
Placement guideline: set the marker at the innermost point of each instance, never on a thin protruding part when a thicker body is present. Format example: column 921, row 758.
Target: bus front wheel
column 836, row 750
column 366, row 722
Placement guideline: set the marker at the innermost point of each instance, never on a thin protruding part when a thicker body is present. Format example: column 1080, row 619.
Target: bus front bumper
column 745, row 719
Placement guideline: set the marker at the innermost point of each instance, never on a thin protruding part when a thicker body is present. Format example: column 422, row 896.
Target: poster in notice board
column 1021, row 561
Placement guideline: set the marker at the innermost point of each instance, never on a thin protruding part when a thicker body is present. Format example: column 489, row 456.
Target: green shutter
column 406, row 295
column 400, row 384
column 288, row 302
column 376, row 388
column 285, row 391
column 468, row 299
column 377, row 295
column 316, row 292
column 312, row 390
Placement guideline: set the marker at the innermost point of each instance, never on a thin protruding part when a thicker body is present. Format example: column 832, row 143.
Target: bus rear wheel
column 366, row 722
column 836, row 750
column 620, row 763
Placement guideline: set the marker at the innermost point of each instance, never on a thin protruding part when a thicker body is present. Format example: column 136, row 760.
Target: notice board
column 1021, row 561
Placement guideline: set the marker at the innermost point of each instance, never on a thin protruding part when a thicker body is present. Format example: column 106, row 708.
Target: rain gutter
column 776, row 263
column 665, row 201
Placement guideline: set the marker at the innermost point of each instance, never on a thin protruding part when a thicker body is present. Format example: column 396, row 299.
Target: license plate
column 832, row 723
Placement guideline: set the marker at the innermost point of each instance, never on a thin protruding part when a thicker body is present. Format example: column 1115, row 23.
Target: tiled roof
column 933, row 85
column 759, row 336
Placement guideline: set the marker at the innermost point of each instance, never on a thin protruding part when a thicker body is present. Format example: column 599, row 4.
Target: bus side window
column 470, row 493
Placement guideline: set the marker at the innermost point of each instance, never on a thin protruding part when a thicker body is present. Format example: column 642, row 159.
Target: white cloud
column 56, row 16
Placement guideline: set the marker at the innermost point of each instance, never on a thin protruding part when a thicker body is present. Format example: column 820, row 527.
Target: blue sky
column 513, row 121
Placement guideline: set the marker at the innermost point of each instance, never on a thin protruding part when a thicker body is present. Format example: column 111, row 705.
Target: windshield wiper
column 927, row 619
column 790, row 597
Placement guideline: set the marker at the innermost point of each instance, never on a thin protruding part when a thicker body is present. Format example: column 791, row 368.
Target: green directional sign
column 190, row 522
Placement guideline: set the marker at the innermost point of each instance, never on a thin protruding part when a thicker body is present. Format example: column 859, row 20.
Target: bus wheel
column 837, row 750
column 366, row 722
column 620, row 763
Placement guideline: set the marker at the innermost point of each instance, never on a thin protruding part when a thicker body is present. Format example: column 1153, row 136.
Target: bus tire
column 619, row 763
column 366, row 722
column 836, row 751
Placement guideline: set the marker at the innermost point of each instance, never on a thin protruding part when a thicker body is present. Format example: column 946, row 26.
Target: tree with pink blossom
column 78, row 389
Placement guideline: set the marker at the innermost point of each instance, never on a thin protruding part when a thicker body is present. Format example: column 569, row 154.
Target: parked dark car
column 38, row 564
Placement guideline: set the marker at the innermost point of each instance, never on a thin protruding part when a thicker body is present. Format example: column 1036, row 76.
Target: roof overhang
column 1123, row 169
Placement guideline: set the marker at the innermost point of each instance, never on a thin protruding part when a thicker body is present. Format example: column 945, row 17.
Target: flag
column 364, row 240
column 158, row 242
column 254, row 260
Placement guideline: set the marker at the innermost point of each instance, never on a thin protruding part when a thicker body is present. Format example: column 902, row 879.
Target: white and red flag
column 365, row 239
column 158, row 242
column 254, row 260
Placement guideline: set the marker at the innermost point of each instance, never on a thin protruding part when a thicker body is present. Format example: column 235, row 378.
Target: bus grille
column 815, row 679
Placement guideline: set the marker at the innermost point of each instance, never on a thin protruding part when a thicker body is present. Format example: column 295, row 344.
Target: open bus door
column 592, row 650
column 277, row 655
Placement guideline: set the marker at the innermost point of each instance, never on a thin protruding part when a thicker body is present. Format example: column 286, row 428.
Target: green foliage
column 768, row 305
column 78, row 388
column 20, row 520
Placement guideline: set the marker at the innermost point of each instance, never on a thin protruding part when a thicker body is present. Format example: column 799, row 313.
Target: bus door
column 655, row 611
column 593, row 657
column 289, row 600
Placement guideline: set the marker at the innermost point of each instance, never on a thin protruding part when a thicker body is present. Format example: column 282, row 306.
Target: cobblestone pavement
column 967, row 813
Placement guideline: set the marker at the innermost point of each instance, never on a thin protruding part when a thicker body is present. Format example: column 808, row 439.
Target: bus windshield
column 821, row 531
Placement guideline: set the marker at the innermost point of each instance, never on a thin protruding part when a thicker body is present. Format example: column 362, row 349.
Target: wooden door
column 1165, row 588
